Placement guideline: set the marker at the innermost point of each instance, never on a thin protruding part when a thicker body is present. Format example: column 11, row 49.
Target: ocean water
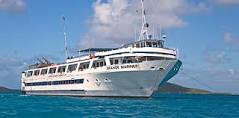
column 160, row 105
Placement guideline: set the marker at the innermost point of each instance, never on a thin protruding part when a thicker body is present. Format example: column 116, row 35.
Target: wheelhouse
column 146, row 43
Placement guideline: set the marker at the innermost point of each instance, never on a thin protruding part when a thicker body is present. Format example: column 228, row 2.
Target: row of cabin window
column 134, row 59
column 63, row 82
column 124, row 60
column 61, row 69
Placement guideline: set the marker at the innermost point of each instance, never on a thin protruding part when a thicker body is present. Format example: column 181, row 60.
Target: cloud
column 221, row 56
column 229, row 38
column 217, row 71
column 12, row 65
column 227, row 2
column 220, row 80
column 115, row 21
column 216, row 57
column 12, row 5
column 10, row 72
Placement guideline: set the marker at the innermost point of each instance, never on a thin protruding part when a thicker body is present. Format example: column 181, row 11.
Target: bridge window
column 84, row 65
column 43, row 71
column 36, row 72
column 61, row 69
column 102, row 64
column 98, row 63
column 148, row 44
column 152, row 58
column 29, row 73
column 72, row 67
column 130, row 60
column 137, row 45
column 52, row 70
column 155, row 44
column 160, row 43
column 114, row 61
column 142, row 44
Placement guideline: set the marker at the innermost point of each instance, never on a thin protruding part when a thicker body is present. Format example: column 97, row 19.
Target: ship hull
column 140, row 82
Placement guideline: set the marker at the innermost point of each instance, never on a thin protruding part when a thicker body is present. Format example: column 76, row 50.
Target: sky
column 205, row 32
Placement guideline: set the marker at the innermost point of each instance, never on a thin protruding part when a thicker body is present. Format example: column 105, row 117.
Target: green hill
column 4, row 89
column 173, row 88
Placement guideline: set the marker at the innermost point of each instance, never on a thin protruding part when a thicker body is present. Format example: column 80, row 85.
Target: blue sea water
column 160, row 105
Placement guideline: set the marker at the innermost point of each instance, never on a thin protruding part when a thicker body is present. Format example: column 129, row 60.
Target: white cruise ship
column 133, row 70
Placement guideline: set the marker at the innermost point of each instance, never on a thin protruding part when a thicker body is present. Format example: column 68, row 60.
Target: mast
column 65, row 36
column 144, row 34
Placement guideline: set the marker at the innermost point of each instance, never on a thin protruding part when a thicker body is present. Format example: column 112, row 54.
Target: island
column 174, row 88
column 4, row 89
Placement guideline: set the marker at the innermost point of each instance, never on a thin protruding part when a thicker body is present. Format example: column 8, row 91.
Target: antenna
column 65, row 36
column 153, row 33
column 144, row 30
column 135, row 34
column 160, row 33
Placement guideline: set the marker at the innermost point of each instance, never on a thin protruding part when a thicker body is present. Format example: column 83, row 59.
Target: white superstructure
column 133, row 70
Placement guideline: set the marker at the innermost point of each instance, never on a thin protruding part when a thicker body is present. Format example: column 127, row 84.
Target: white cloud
column 216, row 57
column 230, row 38
column 114, row 21
column 227, row 2
column 12, row 5
column 12, row 66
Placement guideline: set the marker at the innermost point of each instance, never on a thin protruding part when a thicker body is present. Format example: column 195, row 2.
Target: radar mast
column 144, row 33
column 65, row 36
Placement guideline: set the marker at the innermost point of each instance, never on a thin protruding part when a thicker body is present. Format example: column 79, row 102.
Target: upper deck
column 148, row 47
column 143, row 46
